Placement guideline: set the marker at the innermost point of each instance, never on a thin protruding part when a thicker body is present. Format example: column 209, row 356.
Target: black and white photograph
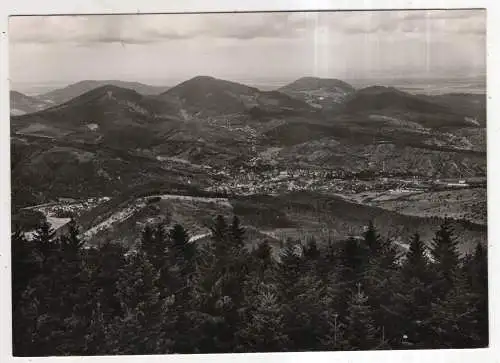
column 248, row 182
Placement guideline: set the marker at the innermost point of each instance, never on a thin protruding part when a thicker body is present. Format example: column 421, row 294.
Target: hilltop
column 320, row 93
column 21, row 104
column 62, row 95
column 205, row 96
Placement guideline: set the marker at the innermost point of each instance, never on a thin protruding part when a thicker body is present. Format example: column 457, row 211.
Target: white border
column 26, row 7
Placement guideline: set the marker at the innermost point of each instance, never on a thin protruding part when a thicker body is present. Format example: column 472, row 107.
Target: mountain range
column 22, row 104
column 127, row 141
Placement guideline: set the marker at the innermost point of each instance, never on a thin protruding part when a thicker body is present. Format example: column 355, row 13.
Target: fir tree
column 416, row 264
column 237, row 233
column 105, row 264
column 263, row 256
column 181, row 254
column 454, row 318
column 373, row 240
column 220, row 237
column 24, row 266
column 311, row 250
column 45, row 244
column 264, row 325
column 444, row 251
column 360, row 332
column 140, row 330
column 415, row 293
column 477, row 277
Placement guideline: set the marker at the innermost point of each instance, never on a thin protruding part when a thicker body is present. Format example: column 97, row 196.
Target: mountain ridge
column 64, row 94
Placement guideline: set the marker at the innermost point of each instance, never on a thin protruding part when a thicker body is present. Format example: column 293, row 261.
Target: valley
column 314, row 158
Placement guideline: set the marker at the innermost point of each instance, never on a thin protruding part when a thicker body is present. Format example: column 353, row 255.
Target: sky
column 164, row 49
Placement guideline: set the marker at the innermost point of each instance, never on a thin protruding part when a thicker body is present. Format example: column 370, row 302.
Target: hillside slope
column 323, row 93
column 21, row 104
column 62, row 95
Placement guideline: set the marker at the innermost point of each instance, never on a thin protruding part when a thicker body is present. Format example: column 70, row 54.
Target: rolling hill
column 471, row 105
column 21, row 104
column 385, row 102
column 323, row 93
column 108, row 114
column 62, row 95
column 296, row 215
column 111, row 140
column 205, row 96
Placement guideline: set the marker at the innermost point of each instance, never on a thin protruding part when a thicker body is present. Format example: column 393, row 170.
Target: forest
column 171, row 296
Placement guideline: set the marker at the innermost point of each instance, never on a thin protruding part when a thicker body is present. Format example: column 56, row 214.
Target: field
column 469, row 204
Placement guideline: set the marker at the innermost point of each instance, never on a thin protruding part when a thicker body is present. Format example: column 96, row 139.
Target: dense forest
column 171, row 296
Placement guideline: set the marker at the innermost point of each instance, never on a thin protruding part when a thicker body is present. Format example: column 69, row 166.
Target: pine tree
column 96, row 336
column 57, row 298
column 454, row 318
column 24, row 269
column 329, row 261
column 181, row 254
column 444, row 251
column 75, row 290
column 353, row 259
column 220, row 238
column 415, row 293
column 45, row 244
column 24, row 266
column 104, row 265
column 237, row 233
column 159, row 255
column 263, row 256
column 476, row 270
column 264, row 325
column 180, row 250
column 147, row 240
column 141, row 329
column 416, row 264
column 479, row 271
column 290, row 269
column 373, row 240
column 360, row 333
column 301, row 294
column 380, row 281
column 154, row 244
column 311, row 250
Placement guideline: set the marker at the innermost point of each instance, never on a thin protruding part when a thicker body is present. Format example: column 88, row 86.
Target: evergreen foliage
column 170, row 295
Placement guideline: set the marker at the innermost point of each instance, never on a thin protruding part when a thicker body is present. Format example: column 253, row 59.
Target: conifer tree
column 373, row 240
column 237, row 233
column 147, row 240
column 360, row 332
column 45, row 244
column 181, row 251
column 311, row 250
column 444, row 251
column 353, row 260
column 416, row 264
column 454, row 318
column 477, row 276
column 220, row 237
column 24, row 266
column 264, row 259
column 415, row 293
column 290, row 269
column 71, row 243
column 264, row 325
column 140, row 330
column 105, row 265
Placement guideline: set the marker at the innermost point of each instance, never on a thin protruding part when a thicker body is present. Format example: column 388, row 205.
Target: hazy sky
column 255, row 47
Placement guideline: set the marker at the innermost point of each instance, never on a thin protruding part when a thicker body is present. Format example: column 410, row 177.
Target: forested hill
column 172, row 296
